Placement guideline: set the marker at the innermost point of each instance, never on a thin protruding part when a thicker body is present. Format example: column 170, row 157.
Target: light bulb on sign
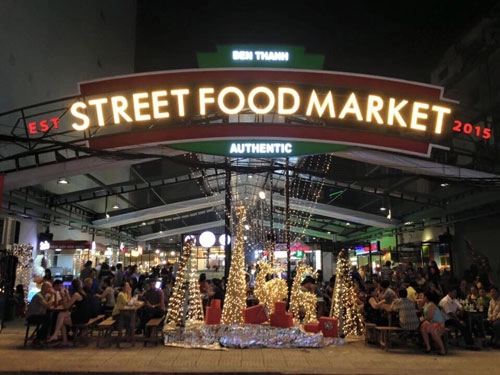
column 45, row 245
column 207, row 239
column 222, row 239
column 190, row 237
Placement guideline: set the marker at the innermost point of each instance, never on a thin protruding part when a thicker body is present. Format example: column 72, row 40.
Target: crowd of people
column 425, row 300
column 415, row 299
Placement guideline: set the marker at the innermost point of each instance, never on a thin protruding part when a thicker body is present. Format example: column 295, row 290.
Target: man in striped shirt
column 386, row 272
column 406, row 309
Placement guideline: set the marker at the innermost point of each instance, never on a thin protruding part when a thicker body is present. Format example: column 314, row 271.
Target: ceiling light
column 63, row 181
column 262, row 194
column 116, row 205
column 383, row 208
column 444, row 184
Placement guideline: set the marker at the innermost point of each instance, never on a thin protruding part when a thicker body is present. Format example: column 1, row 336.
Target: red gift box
column 215, row 303
column 280, row 307
column 255, row 315
column 281, row 320
column 213, row 315
column 311, row 327
column 329, row 326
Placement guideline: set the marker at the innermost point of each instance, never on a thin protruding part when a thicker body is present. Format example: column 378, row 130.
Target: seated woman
column 108, row 295
column 432, row 324
column 78, row 312
column 472, row 296
column 121, row 301
column 374, row 309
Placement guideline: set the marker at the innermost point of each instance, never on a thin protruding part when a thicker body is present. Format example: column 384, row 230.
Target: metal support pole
column 271, row 220
column 227, row 220
column 287, row 233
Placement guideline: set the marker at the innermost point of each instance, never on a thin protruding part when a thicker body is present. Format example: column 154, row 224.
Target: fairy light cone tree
column 343, row 305
column 235, row 299
column 175, row 313
column 194, row 313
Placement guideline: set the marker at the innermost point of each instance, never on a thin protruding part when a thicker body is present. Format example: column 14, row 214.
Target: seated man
column 493, row 320
column 309, row 284
column 154, row 306
column 386, row 292
column 94, row 302
column 37, row 310
column 453, row 316
column 406, row 309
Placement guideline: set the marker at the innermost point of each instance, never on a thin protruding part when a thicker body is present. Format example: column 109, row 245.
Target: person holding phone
column 154, row 304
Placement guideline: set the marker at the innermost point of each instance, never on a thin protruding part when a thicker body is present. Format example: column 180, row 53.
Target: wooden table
column 132, row 311
column 475, row 322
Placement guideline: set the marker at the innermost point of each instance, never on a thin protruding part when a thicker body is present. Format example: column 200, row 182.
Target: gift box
column 280, row 307
column 215, row 303
column 255, row 315
column 281, row 320
column 311, row 327
column 329, row 326
column 213, row 315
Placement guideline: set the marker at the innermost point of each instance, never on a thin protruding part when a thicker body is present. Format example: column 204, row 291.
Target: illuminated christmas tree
column 302, row 303
column 344, row 300
column 175, row 312
column 194, row 313
column 235, row 299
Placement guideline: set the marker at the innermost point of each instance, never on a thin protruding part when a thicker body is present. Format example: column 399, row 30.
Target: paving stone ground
column 352, row 358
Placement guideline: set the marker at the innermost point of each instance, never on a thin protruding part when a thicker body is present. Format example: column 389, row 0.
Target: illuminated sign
column 369, row 108
column 261, row 148
column 260, row 55
column 44, row 245
column 275, row 112
column 367, row 248
column 467, row 128
column 43, row 126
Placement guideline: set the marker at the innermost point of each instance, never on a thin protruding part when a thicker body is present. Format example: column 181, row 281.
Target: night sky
column 401, row 39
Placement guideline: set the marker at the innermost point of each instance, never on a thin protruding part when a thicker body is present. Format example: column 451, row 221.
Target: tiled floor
column 352, row 358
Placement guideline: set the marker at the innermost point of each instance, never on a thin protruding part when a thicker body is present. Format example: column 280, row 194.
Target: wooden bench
column 154, row 326
column 85, row 330
column 104, row 330
column 384, row 334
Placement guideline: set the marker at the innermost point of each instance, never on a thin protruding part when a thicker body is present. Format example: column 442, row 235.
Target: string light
column 344, row 300
column 235, row 298
column 302, row 302
column 24, row 254
column 269, row 292
column 194, row 314
column 175, row 313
